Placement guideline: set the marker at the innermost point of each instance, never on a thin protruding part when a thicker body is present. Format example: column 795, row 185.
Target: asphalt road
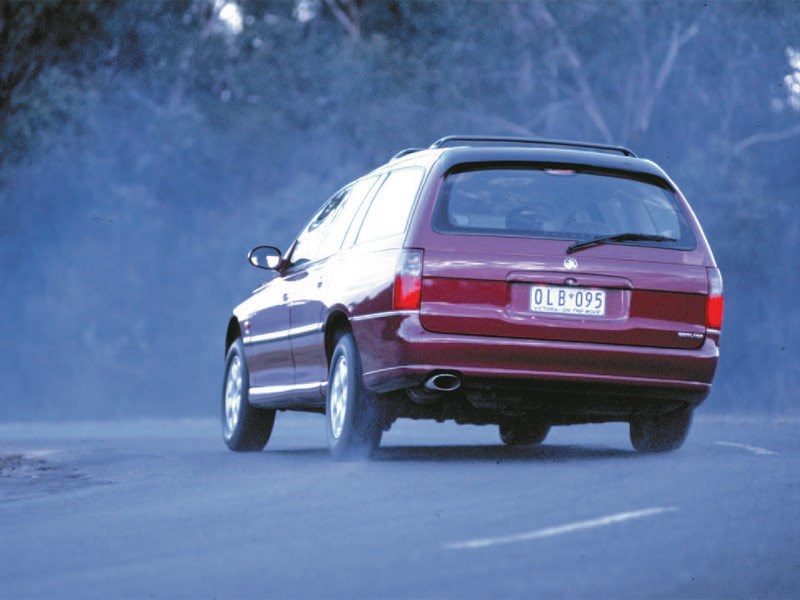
column 163, row 509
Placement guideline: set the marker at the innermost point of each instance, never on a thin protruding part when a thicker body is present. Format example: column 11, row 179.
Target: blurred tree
column 162, row 138
column 46, row 48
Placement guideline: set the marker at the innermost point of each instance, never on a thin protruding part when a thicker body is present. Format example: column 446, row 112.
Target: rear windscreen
column 558, row 203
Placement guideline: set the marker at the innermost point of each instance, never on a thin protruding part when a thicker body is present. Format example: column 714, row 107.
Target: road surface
column 162, row 509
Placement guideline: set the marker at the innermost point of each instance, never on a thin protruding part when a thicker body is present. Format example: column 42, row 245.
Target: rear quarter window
column 389, row 212
column 558, row 204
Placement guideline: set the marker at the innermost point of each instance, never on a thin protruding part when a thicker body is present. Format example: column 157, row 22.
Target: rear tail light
column 715, row 303
column 408, row 280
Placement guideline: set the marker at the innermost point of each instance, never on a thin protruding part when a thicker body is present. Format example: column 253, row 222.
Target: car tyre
column 245, row 428
column 523, row 433
column 663, row 433
column 352, row 412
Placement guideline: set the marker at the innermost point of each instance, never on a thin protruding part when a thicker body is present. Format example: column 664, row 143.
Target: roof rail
column 535, row 141
column 406, row 152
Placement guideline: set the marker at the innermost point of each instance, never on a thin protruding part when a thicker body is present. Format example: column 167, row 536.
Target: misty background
column 145, row 147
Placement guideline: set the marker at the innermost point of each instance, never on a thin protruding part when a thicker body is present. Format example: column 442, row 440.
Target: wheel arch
column 234, row 331
column 336, row 324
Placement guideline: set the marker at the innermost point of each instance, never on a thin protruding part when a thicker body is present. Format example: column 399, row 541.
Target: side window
column 340, row 222
column 307, row 247
column 389, row 212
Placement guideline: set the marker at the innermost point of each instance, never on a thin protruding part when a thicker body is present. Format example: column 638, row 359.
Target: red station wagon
column 507, row 281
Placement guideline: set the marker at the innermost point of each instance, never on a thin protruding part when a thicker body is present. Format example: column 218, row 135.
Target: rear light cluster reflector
column 715, row 304
column 408, row 280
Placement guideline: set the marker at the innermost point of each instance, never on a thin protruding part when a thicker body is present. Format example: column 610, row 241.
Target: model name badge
column 690, row 335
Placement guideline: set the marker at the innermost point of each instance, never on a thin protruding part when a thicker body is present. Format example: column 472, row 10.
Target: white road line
column 553, row 531
column 753, row 449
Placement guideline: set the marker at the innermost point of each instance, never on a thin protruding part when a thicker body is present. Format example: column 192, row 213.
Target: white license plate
column 568, row 300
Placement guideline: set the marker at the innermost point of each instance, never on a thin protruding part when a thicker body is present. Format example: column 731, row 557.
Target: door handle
column 286, row 297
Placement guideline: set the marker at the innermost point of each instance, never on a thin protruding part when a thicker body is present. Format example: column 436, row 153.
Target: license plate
column 568, row 300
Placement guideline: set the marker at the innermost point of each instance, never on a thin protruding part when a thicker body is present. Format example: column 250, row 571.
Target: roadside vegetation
column 146, row 146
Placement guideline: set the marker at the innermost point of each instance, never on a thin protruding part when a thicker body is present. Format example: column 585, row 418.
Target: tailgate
column 536, row 296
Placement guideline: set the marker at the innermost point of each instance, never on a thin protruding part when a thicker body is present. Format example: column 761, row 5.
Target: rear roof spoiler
column 466, row 140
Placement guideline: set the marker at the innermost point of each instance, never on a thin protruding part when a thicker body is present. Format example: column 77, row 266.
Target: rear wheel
column 352, row 412
column 662, row 433
column 523, row 433
column 245, row 428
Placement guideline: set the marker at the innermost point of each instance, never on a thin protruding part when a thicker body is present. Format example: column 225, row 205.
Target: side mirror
column 265, row 257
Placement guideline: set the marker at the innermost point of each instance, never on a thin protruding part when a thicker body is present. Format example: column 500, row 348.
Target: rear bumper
column 397, row 352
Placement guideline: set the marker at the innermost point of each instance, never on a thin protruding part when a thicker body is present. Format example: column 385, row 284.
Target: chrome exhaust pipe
column 443, row 382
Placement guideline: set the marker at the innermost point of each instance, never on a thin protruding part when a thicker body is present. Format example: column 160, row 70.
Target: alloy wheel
column 339, row 397
column 233, row 395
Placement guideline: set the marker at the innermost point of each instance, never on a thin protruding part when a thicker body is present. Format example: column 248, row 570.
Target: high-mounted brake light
column 715, row 304
column 408, row 280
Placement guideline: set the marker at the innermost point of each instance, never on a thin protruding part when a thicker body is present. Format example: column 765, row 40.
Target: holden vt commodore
column 514, row 282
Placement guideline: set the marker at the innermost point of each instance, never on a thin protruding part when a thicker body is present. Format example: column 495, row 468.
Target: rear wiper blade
column 619, row 237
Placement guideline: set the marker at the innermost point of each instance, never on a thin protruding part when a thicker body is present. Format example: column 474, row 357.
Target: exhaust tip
column 443, row 382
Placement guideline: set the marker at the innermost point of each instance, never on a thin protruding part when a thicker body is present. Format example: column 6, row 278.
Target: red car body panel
column 474, row 319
